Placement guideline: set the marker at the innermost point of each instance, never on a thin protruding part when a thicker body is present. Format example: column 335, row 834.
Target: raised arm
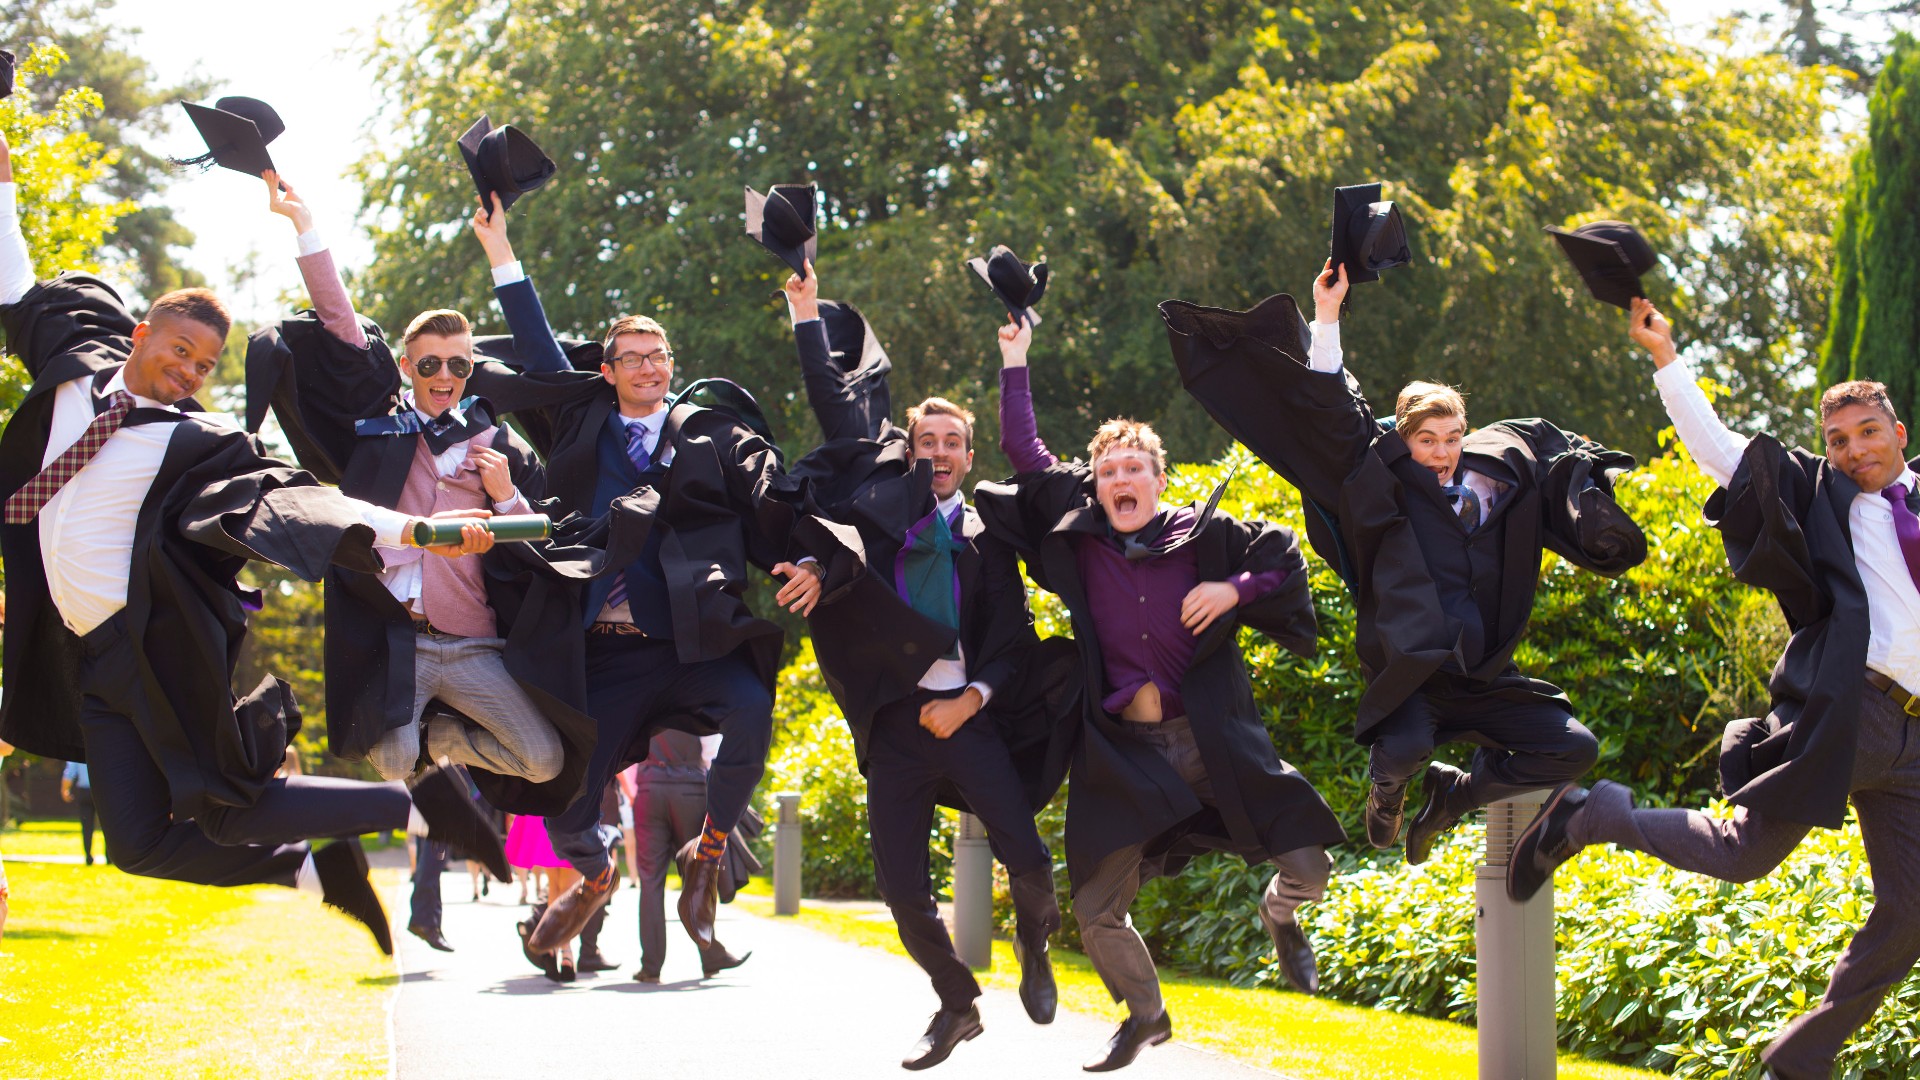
column 1717, row 449
column 16, row 264
column 526, row 319
column 1019, row 431
column 328, row 292
column 849, row 395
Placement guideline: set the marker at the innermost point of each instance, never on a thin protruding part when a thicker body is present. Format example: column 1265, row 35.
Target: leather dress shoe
column 1133, row 1036
column 431, row 935
column 948, row 1030
column 1037, row 991
column 700, row 900
column 567, row 916
column 342, row 869
column 715, row 959
column 1383, row 816
column 545, row 961
column 457, row 821
column 646, row 976
column 1294, row 952
column 1434, row 818
column 1544, row 843
column 594, row 960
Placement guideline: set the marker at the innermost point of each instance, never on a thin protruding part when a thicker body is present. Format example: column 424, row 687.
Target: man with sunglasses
column 416, row 631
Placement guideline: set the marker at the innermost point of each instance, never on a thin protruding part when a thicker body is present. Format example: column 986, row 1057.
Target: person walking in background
column 528, row 848
column 77, row 788
column 669, row 795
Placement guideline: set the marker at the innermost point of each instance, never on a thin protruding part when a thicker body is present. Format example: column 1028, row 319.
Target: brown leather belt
column 1908, row 703
column 422, row 626
column 622, row 628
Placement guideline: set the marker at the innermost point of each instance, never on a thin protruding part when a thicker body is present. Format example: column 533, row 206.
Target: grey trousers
column 665, row 817
column 1100, row 904
column 1886, row 795
column 508, row 735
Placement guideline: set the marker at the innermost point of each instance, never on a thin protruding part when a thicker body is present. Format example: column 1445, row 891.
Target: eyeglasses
column 634, row 361
column 428, row 366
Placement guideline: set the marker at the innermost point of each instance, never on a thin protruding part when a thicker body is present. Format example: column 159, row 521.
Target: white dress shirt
column 16, row 265
column 1893, row 602
column 945, row 674
column 403, row 580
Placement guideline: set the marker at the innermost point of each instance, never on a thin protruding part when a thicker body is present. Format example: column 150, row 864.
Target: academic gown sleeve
column 1284, row 614
column 1021, row 511
column 847, row 390
column 1583, row 524
column 318, row 386
column 73, row 321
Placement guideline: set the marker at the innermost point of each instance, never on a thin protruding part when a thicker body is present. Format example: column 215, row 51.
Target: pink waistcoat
column 453, row 592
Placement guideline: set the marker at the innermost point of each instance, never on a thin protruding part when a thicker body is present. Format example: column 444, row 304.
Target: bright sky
column 303, row 62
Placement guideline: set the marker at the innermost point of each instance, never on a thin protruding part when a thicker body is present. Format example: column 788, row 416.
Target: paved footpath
column 806, row 1005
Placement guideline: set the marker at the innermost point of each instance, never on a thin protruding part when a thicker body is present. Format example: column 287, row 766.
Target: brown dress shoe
column 700, row 900
column 567, row 916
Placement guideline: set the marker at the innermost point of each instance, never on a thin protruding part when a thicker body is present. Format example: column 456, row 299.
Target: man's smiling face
column 1867, row 444
column 942, row 440
column 1436, row 445
column 436, row 393
column 1128, row 483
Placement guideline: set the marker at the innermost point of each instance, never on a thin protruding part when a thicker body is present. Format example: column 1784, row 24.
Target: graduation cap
column 782, row 221
column 1018, row 285
column 6, row 73
column 237, row 131
column 1610, row 256
column 1369, row 235
column 503, row 161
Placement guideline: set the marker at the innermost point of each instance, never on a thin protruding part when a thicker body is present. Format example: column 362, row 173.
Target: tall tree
column 1851, row 35
column 1875, row 328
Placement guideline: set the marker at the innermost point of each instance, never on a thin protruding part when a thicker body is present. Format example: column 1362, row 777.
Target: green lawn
column 1300, row 1036
column 105, row 974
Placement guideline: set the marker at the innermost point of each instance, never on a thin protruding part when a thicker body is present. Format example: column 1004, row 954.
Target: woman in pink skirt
column 529, row 848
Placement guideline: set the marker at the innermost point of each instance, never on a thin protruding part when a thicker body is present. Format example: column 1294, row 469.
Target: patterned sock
column 603, row 880
column 713, row 843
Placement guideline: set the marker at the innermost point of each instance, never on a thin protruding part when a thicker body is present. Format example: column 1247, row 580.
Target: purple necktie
column 636, row 453
column 1906, row 525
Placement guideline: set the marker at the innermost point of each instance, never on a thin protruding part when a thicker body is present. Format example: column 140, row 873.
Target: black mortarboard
column 783, row 220
column 6, row 74
column 1018, row 285
column 1610, row 256
column 503, row 161
column 1369, row 234
column 237, row 131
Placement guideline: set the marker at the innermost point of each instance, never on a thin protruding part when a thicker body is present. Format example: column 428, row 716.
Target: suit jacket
column 1122, row 791
column 873, row 647
column 216, row 502
column 1366, row 497
column 318, row 387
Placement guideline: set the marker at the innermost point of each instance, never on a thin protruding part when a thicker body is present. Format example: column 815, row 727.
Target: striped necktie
column 642, row 461
column 22, row 505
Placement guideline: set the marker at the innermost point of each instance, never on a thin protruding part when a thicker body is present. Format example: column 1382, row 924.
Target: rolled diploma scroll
column 440, row 532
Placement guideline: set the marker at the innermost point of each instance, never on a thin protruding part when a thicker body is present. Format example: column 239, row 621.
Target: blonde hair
column 634, row 324
column 1123, row 434
column 939, row 406
column 440, row 322
column 1424, row 401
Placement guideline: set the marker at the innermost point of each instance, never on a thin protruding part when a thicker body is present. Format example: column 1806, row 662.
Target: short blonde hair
column 1424, row 401
column 939, row 406
column 441, row 322
column 634, row 324
column 1123, row 434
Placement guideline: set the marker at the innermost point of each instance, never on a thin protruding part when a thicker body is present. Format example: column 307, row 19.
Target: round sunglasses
column 428, row 366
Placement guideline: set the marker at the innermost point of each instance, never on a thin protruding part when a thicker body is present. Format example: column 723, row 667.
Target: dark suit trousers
column 635, row 684
column 665, row 816
column 230, row 845
column 1747, row 846
column 429, row 861
column 1524, row 745
column 906, row 767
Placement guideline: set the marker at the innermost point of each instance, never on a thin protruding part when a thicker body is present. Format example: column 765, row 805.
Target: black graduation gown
column 873, row 648
column 1122, row 791
column 216, row 502
column 1784, row 519
column 318, row 387
column 1317, row 431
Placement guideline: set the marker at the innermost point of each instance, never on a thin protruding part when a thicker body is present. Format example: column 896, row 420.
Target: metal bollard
column 786, row 854
column 1515, row 947
column 973, row 894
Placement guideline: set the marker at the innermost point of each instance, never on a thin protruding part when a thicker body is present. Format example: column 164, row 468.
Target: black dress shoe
column 948, row 1030
column 715, row 959
column 699, row 900
column 1037, row 991
column 1544, row 844
column 1134, row 1036
column 342, row 868
column 457, row 821
column 1294, row 952
column 431, row 935
column 592, row 960
column 1384, row 815
column 1434, row 818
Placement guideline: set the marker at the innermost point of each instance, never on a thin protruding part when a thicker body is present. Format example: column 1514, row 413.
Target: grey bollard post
column 973, row 894
column 786, row 855
column 1515, row 946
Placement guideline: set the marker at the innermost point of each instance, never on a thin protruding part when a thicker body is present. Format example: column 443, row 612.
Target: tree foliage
column 1875, row 328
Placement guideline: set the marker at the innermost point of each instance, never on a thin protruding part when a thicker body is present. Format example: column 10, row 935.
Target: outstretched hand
column 803, row 294
column 1329, row 291
column 283, row 200
column 1651, row 331
column 490, row 228
column 1015, row 337
column 802, row 590
column 1205, row 603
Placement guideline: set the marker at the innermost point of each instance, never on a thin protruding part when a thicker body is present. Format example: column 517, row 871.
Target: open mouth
column 941, row 472
column 441, row 397
column 1125, row 505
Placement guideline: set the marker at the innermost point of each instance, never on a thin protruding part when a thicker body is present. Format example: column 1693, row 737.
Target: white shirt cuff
column 1324, row 355
column 389, row 526
column 311, row 242
column 514, row 505
column 986, row 692
column 508, row 274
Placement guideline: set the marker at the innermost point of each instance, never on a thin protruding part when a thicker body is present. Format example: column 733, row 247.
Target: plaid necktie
column 22, row 505
column 636, row 453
